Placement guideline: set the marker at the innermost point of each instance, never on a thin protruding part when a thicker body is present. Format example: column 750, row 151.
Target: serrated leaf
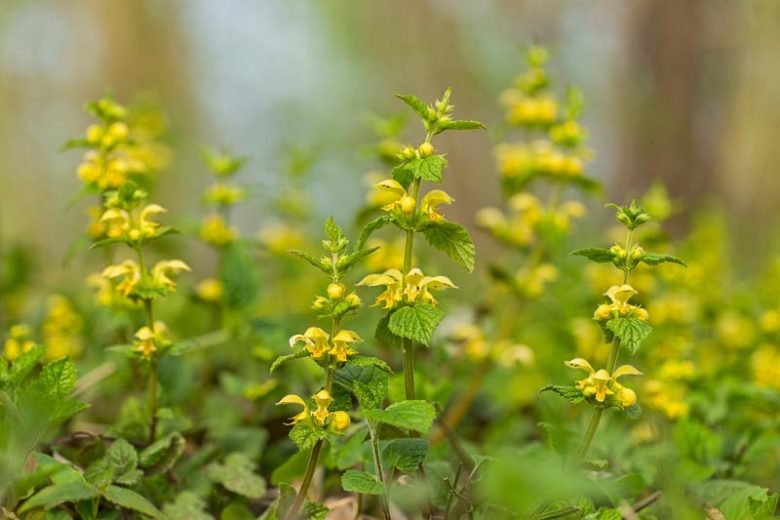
column 461, row 124
column 315, row 511
column 414, row 415
column 25, row 363
column 305, row 436
column 237, row 474
column 121, row 457
column 428, row 168
column 129, row 499
column 160, row 456
column 187, row 506
column 366, row 382
column 311, row 259
column 362, row 482
column 332, row 230
column 284, row 359
column 369, row 361
column 571, row 393
column 656, row 258
column 369, row 229
column 420, row 108
column 631, row 331
column 62, row 410
column 58, row 494
column 405, row 455
column 595, row 254
column 453, row 240
column 416, row 322
column 58, row 378
column 383, row 334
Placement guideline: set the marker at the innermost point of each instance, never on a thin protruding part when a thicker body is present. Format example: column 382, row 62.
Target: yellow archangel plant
column 413, row 314
column 625, row 325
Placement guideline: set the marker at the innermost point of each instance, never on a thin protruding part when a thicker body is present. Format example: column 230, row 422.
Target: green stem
column 307, row 477
column 149, row 308
column 589, row 433
column 407, row 344
column 379, row 472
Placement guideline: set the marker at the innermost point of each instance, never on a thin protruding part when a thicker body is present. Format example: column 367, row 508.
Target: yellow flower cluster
column 217, row 232
column 540, row 158
column 124, row 224
column 399, row 200
column 529, row 110
column 18, row 341
column 148, row 342
column 132, row 276
column 600, row 384
column 765, row 365
column 280, row 238
column 337, row 292
column 473, row 343
column 338, row 420
column 223, row 194
column 210, row 290
column 413, row 287
column 62, row 329
column 619, row 306
column 318, row 343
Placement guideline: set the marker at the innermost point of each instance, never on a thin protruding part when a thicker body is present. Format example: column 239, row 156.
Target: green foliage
column 570, row 393
column 453, row 240
column 656, row 258
column 354, row 481
column 424, row 168
column 367, row 381
column 631, row 331
column 409, row 415
column 416, row 322
column 405, row 454
column 237, row 474
column 595, row 254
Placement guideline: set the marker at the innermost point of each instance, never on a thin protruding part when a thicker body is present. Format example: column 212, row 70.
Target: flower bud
column 339, row 421
column 119, row 131
column 408, row 204
column 335, row 291
column 94, row 133
column 618, row 251
column 319, row 303
column 426, row 149
column 641, row 314
column 603, row 312
column 637, row 252
column 408, row 153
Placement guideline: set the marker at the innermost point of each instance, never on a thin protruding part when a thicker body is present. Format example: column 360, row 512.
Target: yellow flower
column 162, row 269
column 323, row 400
column 619, row 306
column 339, row 420
column 315, row 340
column 335, row 290
column 341, row 349
column 18, row 342
column 216, row 232
column 295, row 399
column 128, row 271
column 223, row 194
column 117, row 222
column 770, row 321
column 418, row 286
column 149, row 341
column 432, row 200
column 599, row 384
column 210, row 290
column 61, row 329
column 120, row 223
column 391, row 279
column 472, row 340
column 280, row 238
column 400, row 200
column 765, row 365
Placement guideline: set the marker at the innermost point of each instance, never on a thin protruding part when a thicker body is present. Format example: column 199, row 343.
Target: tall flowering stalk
column 330, row 349
column 412, row 313
column 114, row 168
column 625, row 326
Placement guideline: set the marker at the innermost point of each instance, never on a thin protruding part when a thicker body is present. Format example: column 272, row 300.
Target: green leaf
column 160, row 456
column 428, row 168
column 557, row 438
column 453, row 240
column 283, row 359
column 383, row 334
column 420, row 108
column 187, row 506
column 414, row 415
column 315, row 511
column 369, row 361
column 595, row 254
column 656, row 258
column 238, row 272
column 129, row 499
column 461, row 124
column 416, row 322
column 405, row 454
column 58, row 378
column 352, row 450
column 237, row 474
column 58, row 494
column 631, row 331
column 362, row 482
column 369, row 230
column 570, row 393
column 306, row 436
column 366, row 382
column 121, row 457
column 63, row 410
column 316, row 262
column 332, row 230
column 26, row 361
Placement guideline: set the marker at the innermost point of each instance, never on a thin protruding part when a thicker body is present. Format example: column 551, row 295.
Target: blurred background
column 684, row 92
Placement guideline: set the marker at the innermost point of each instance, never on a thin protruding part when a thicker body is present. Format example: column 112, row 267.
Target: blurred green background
column 682, row 91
